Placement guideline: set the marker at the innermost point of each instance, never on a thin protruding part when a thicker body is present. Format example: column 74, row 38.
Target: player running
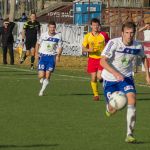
column 94, row 43
column 49, row 48
column 117, row 60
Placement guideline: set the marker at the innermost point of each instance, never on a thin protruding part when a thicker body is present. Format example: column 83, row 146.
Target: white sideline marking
column 63, row 75
column 144, row 85
column 26, row 70
column 23, row 78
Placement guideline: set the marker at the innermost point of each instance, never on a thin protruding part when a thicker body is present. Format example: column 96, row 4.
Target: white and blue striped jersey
column 49, row 44
column 121, row 57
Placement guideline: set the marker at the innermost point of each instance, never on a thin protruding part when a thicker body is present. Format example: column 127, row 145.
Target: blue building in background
column 83, row 11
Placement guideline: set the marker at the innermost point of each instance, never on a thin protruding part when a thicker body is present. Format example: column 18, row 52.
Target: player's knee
column 41, row 75
column 93, row 79
column 131, row 98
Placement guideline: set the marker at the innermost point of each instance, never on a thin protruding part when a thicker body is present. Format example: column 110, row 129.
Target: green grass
column 66, row 118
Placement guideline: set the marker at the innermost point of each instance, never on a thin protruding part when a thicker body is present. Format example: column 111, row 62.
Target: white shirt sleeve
column 109, row 49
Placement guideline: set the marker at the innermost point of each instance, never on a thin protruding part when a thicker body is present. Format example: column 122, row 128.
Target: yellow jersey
column 98, row 43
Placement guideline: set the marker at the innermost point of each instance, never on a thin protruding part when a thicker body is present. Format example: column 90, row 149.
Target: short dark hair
column 130, row 24
column 52, row 23
column 95, row 20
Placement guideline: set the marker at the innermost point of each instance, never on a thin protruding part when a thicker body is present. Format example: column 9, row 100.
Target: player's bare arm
column 58, row 54
column 84, row 49
column 146, row 65
column 144, row 28
column 37, row 49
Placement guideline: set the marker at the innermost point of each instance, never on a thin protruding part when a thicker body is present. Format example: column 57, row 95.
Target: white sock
column 107, row 108
column 44, row 85
column 131, row 119
column 41, row 80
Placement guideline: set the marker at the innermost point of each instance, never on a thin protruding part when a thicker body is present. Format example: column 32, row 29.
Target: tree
column 12, row 10
column 5, row 2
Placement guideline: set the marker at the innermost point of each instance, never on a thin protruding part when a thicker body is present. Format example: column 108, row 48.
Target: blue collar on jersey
column 52, row 39
column 130, row 51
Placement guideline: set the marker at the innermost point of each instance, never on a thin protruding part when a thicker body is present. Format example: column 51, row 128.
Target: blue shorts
column 46, row 63
column 126, row 86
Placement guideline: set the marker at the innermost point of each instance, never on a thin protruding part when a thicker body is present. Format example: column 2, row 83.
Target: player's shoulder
column 137, row 44
column 44, row 34
column 87, row 34
column 115, row 40
column 104, row 33
column 58, row 35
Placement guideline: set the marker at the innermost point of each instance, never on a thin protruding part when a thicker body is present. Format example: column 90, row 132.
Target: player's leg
column 99, row 72
column 94, row 86
column 47, row 64
column 99, row 77
column 92, row 70
column 26, row 54
column 41, row 76
column 127, row 86
column 44, row 79
column 32, row 57
column 109, row 87
column 131, row 116
column 41, row 72
column 33, row 53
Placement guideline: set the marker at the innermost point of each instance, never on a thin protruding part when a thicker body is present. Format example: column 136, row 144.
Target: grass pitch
column 66, row 118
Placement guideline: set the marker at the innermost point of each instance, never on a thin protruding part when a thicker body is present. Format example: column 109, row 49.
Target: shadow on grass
column 84, row 94
column 145, row 93
column 76, row 94
column 27, row 74
column 28, row 146
column 139, row 142
column 143, row 99
column 10, row 71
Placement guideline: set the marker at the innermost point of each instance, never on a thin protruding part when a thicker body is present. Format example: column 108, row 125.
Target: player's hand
column 147, row 25
column 118, row 76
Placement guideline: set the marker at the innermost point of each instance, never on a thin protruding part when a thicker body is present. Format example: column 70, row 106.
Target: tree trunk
column 12, row 10
column 1, row 8
column 5, row 9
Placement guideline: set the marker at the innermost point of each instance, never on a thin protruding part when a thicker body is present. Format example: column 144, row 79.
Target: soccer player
column 31, row 31
column 117, row 60
column 49, row 48
column 94, row 43
column 146, row 31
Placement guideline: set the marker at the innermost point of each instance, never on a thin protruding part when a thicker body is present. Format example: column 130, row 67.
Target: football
column 118, row 100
